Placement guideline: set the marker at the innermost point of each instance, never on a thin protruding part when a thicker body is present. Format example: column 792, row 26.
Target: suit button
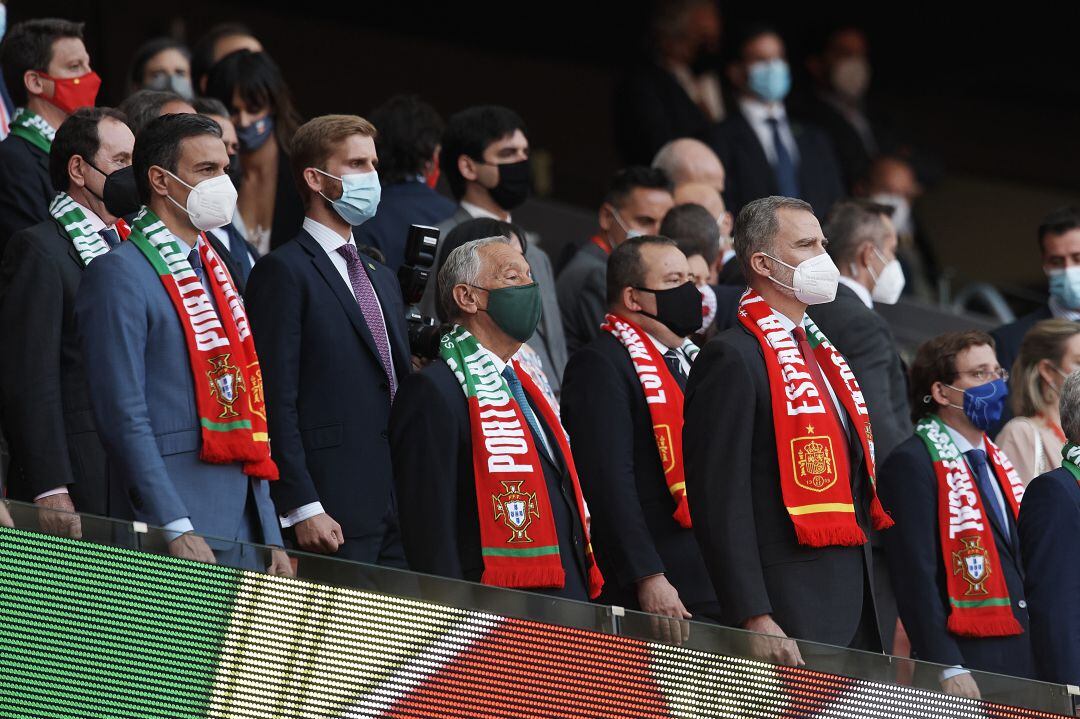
column 1022, row 604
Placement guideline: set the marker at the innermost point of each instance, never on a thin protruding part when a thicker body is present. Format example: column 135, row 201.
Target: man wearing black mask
column 485, row 159
column 622, row 405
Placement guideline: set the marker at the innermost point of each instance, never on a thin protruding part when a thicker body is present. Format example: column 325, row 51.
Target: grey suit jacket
column 143, row 396
column 582, row 289
column 549, row 341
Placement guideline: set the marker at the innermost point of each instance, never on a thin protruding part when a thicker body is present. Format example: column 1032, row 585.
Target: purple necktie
column 369, row 306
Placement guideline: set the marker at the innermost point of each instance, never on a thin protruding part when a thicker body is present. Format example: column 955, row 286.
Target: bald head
column 698, row 193
column 690, row 160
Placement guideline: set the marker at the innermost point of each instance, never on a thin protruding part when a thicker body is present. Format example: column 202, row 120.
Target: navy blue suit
column 327, row 394
column 402, row 204
column 908, row 487
column 1050, row 538
column 143, row 395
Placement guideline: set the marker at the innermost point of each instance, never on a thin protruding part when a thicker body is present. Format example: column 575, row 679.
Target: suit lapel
column 329, row 273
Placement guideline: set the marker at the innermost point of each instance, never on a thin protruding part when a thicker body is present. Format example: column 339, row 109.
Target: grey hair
column 462, row 267
column 757, row 225
column 850, row 224
column 671, row 158
column 1070, row 407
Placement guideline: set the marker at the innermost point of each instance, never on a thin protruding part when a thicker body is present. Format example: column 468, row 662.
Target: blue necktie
column 977, row 460
column 112, row 239
column 526, row 409
column 787, row 179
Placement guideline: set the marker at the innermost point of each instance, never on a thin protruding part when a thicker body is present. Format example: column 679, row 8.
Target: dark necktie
column 195, row 260
column 239, row 251
column 819, row 381
column 671, row 358
column 976, row 459
column 518, row 391
column 112, row 239
column 369, row 307
column 787, row 179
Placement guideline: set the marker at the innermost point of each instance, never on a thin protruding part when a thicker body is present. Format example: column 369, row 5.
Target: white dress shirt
column 703, row 90
column 680, row 351
column 330, row 241
column 477, row 211
column 1061, row 312
column 758, row 113
column 860, row 291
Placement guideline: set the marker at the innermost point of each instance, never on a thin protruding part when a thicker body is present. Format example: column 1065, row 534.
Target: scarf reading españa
column 228, row 380
column 979, row 604
column 814, row 477
column 517, row 531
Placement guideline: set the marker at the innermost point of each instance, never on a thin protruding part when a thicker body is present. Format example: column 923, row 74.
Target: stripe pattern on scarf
column 32, row 127
column 88, row 241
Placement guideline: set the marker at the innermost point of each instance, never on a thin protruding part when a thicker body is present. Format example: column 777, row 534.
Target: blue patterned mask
column 984, row 404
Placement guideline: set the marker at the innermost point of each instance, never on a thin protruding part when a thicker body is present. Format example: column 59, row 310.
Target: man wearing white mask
column 329, row 325
column 762, row 150
column 781, row 484
column 176, row 390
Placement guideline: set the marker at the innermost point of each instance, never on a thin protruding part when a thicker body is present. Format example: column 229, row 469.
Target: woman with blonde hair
column 1033, row 438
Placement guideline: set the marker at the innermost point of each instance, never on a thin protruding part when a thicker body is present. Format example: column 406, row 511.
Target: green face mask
column 515, row 310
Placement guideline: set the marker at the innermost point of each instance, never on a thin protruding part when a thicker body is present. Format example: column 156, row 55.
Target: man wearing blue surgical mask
column 763, row 152
column 1059, row 242
column 329, row 326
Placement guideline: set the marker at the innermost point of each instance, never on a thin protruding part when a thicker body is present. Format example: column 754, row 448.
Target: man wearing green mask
column 480, row 455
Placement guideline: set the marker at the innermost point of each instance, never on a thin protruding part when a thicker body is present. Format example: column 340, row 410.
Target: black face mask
column 515, row 184
column 677, row 308
column 235, row 172
column 120, row 195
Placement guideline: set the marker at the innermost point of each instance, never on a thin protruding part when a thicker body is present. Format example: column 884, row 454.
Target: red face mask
column 71, row 93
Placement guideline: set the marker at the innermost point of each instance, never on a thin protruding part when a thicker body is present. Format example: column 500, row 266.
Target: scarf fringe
column 878, row 516
column 596, row 579
column 830, row 536
column 528, row 577
column 973, row 624
column 682, row 513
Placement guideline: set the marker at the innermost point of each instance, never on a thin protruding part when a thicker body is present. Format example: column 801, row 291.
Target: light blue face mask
column 770, row 79
column 1065, row 286
column 360, row 194
column 3, row 20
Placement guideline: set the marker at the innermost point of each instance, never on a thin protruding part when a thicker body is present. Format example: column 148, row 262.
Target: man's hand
column 192, row 546
column 776, row 647
column 280, row 564
column 961, row 685
column 56, row 515
column 320, row 534
column 5, row 517
column 657, row 596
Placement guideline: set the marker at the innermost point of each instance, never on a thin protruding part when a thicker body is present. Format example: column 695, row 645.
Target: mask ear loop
column 335, row 177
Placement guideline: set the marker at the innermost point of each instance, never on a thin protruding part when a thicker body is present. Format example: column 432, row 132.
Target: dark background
column 990, row 92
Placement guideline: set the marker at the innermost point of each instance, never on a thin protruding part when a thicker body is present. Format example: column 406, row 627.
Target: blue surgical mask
column 770, row 79
column 1065, row 286
column 3, row 20
column 360, row 194
column 255, row 135
column 984, row 404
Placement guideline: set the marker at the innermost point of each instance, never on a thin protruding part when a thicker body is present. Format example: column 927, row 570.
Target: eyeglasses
column 985, row 375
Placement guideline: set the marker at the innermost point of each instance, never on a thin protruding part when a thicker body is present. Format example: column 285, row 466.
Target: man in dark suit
column 148, row 315
column 651, row 560
column 635, row 205
column 973, row 476
column 408, row 147
column 47, row 71
column 1050, row 543
column 746, row 510
column 437, row 441
column 329, row 326
column 57, row 459
column 763, row 152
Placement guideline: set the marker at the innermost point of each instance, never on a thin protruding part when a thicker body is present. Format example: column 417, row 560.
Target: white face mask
column 630, row 232
column 708, row 305
column 814, row 281
column 901, row 218
column 211, row 203
column 851, row 77
column 890, row 283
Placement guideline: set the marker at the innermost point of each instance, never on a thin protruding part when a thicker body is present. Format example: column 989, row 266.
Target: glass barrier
column 359, row 639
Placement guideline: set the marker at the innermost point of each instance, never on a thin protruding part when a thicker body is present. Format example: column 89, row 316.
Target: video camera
column 413, row 276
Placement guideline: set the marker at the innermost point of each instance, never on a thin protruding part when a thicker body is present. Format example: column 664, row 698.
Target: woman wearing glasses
column 1033, row 438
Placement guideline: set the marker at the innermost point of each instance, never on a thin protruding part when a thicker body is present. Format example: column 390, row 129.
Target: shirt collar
column 183, row 243
column 960, row 440
column 663, row 348
column 786, row 322
column 860, row 291
column 758, row 112
column 329, row 240
column 495, row 359
column 1062, row 312
column 477, row 211
column 96, row 223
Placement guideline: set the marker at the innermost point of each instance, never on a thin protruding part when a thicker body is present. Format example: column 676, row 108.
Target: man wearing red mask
column 47, row 70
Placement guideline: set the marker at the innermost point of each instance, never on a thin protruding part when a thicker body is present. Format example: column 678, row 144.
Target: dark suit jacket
column 431, row 440
column 635, row 535
column 25, row 187
column 402, row 204
column 582, row 293
column 727, row 307
column 741, row 522
column 864, row 338
column 45, row 398
column 229, row 260
column 327, row 394
column 1050, row 542
column 652, row 108
column 731, row 274
column 288, row 207
column 909, row 491
column 750, row 176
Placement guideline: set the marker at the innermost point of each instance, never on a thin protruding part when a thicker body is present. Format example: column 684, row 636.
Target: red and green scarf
column 228, row 380
column 517, row 530
column 978, row 596
column 810, row 443
column 664, row 398
column 32, row 127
